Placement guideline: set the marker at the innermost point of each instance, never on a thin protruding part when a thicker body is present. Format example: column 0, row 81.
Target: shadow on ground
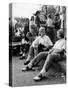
column 26, row 78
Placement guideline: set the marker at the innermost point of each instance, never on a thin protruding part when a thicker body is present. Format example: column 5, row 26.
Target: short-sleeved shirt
column 60, row 44
column 45, row 40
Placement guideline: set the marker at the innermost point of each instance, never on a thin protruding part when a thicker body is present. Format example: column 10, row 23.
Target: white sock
column 30, row 65
column 43, row 72
column 28, row 58
column 23, row 54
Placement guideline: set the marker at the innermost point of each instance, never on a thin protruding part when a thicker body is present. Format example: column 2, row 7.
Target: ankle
column 43, row 72
column 30, row 65
column 28, row 58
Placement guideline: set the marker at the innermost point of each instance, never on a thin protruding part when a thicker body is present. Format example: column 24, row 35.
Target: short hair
column 37, row 12
column 42, row 27
column 57, row 14
column 61, row 33
column 32, row 17
column 49, row 15
column 33, row 27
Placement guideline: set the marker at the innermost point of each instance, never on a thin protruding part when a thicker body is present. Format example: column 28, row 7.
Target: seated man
column 42, row 40
column 54, row 55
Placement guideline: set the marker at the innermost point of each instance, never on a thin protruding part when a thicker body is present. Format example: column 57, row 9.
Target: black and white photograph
column 37, row 44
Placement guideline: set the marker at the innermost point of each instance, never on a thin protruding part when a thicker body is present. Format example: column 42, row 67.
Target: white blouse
column 45, row 40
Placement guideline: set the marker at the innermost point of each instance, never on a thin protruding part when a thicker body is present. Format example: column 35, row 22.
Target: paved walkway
column 26, row 78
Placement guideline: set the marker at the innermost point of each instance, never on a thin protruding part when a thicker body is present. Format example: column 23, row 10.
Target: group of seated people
column 43, row 48
column 51, row 27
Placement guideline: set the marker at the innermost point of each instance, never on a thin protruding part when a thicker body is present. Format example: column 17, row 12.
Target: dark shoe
column 26, row 68
column 23, row 57
column 20, row 54
column 25, row 63
column 38, row 77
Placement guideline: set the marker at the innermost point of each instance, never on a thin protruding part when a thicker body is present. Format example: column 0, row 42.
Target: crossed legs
column 48, row 62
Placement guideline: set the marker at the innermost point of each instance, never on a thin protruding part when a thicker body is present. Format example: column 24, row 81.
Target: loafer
column 26, row 68
column 25, row 63
column 23, row 57
column 38, row 77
